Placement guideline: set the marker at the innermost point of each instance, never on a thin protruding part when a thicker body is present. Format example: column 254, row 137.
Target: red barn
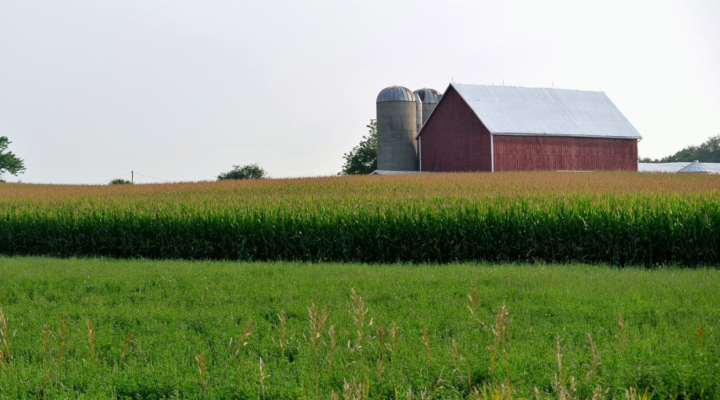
column 502, row 128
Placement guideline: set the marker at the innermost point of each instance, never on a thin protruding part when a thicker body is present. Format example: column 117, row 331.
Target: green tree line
column 708, row 152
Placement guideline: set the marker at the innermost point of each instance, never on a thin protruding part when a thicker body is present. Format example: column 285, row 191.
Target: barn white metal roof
column 508, row 110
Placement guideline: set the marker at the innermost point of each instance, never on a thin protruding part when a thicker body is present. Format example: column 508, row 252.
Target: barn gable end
column 453, row 138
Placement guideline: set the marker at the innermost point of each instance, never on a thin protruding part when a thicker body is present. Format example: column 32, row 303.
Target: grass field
column 176, row 329
column 613, row 218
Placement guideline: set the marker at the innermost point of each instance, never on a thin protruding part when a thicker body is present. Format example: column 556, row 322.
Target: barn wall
column 536, row 153
column 454, row 139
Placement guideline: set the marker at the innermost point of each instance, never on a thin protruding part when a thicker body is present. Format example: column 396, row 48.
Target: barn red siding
column 454, row 139
column 536, row 153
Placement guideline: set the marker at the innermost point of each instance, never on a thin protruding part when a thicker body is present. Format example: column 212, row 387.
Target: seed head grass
column 182, row 315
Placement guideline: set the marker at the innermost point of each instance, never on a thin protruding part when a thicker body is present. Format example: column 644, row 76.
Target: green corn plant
column 618, row 227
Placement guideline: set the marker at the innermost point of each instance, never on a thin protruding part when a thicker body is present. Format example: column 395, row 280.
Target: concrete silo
column 429, row 99
column 397, row 126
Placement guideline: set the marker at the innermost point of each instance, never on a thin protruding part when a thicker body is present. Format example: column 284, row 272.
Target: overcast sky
column 183, row 90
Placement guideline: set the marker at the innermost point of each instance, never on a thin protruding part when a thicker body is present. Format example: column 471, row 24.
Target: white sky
column 182, row 90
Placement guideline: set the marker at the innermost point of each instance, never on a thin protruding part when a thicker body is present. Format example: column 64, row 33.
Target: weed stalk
column 283, row 332
column 125, row 346
column 332, row 349
column 394, row 338
column 5, row 354
column 241, row 343
column 460, row 363
column 621, row 336
column 594, row 361
column 317, row 320
column 263, row 376
column 202, row 366
column 426, row 340
column 92, row 350
column 499, row 332
column 700, row 337
column 61, row 338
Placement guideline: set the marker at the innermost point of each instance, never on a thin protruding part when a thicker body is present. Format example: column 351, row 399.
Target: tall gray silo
column 429, row 98
column 397, row 127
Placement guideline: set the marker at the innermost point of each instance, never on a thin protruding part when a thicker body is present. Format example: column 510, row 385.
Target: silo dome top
column 428, row 96
column 395, row 93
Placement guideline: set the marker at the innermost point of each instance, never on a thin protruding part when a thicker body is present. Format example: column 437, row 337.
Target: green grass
column 180, row 309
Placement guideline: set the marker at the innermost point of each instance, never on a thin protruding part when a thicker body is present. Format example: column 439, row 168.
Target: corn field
column 618, row 219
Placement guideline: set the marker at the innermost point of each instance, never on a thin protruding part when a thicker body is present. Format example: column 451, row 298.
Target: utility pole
column 132, row 177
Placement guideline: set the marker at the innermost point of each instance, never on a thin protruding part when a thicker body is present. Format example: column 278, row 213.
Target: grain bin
column 429, row 98
column 397, row 126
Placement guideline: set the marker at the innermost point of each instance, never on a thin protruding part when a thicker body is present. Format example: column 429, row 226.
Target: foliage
column 120, row 181
column 9, row 162
column 362, row 159
column 424, row 219
column 250, row 171
column 148, row 329
column 708, row 152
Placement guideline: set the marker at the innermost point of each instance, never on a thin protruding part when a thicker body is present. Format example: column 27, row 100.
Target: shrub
column 120, row 181
column 250, row 171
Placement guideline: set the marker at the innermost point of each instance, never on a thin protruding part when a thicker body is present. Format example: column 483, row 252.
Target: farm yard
column 579, row 285
column 278, row 200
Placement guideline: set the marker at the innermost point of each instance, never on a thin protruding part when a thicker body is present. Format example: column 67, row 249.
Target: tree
column 250, row 171
column 120, row 181
column 707, row 152
column 362, row 159
column 9, row 161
